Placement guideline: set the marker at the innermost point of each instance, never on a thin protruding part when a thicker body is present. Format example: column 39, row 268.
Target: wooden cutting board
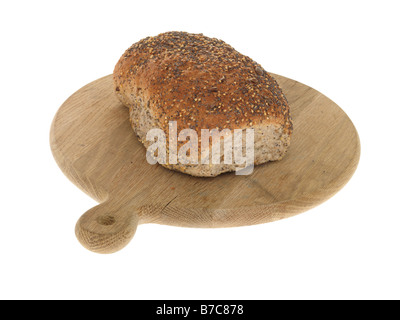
column 94, row 145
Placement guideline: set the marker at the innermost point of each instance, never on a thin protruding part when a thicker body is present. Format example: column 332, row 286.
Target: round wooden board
column 94, row 145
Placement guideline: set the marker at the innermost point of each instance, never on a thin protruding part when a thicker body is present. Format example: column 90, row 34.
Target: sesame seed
column 194, row 70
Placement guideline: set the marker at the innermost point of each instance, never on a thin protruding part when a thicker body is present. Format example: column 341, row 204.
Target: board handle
column 105, row 228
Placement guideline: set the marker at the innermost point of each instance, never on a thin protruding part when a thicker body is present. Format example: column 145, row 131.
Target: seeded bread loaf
column 202, row 83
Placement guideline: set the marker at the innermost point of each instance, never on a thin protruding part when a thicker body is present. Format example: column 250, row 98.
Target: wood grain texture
column 94, row 145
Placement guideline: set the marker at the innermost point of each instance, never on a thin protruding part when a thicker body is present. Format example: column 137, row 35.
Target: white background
column 347, row 248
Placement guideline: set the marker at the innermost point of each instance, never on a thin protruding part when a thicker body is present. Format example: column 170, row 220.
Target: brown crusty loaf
column 202, row 83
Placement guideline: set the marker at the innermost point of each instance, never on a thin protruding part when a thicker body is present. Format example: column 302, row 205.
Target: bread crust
column 201, row 83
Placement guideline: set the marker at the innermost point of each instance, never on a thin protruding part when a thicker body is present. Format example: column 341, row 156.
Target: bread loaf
column 202, row 83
